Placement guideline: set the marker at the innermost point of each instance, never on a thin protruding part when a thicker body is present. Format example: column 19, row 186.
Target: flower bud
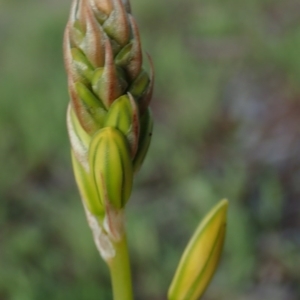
column 118, row 31
column 124, row 116
column 80, row 141
column 201, row 256
column 130, row 56
column 87, row 189
column 111, row 166
column 106, row 83
column 92, row 104
column 82, row 69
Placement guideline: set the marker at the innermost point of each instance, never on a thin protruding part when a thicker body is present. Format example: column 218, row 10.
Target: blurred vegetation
column 227, row 110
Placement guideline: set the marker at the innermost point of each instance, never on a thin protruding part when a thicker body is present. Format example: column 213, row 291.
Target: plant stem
column 120, row 272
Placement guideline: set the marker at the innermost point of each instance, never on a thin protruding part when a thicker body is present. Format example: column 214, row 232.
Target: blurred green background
column 227, row 124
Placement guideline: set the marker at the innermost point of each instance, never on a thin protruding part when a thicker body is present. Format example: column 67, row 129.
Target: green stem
column 120, row 272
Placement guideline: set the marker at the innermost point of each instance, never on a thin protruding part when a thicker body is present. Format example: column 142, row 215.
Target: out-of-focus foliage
column 227, row 109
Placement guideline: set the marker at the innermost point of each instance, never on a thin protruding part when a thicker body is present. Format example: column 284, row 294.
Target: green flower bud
column 140, row 84
column 82, row 67
column 106, row 83
column 124, row 116
column 111, row 166
column 201, row 256
column 93, row 106
column 118, row 31
column 87, row 188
